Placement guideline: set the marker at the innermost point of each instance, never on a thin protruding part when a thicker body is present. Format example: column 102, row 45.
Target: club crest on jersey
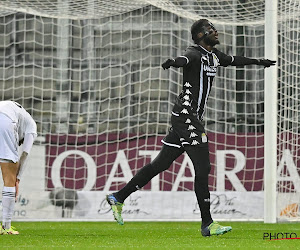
column 204, row 138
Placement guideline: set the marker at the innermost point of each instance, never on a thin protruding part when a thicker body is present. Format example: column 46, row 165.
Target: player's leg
column 162, row 162
column 200, row 158
column 9, row 175
column 8, row 155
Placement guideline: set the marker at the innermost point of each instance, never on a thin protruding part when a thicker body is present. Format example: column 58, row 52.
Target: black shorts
column 186, row 130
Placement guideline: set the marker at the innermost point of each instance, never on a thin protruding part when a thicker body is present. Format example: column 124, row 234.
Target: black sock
column 203, row 197
column 206, row 224
column 200, row 158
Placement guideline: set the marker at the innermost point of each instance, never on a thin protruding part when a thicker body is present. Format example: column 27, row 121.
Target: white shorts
column 9, row 140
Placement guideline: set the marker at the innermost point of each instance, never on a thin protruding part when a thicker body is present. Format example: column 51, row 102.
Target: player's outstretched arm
column 177, row 63
column 242, row 61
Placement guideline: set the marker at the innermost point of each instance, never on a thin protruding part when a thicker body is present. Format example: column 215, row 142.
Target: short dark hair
column 198, row 27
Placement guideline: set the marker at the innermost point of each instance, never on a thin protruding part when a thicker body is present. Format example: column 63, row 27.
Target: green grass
column 145, row 235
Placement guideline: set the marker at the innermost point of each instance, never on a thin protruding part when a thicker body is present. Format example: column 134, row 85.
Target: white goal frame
column 270, row 114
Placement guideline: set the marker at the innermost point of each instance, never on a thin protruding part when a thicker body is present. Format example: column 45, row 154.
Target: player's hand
column 17, row 190
column 167, row 64
column 266, row 62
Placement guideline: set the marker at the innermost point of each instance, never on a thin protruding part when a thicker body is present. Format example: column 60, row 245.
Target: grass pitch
column 145, row 235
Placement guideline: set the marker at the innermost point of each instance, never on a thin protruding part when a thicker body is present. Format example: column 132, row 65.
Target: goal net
column 288, row 169
column 89, row 72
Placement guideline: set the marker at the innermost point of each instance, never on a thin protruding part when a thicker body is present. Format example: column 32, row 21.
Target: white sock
column 8, row 205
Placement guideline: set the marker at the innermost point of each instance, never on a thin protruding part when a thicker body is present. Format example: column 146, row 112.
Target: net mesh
column 235, row 11
column 288, row 112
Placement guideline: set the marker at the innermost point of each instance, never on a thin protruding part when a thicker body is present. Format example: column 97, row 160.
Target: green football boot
column 215, row 229
column 116, row 207
column 11, row 230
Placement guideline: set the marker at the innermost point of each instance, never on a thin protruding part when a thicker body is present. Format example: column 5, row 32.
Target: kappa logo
column 184, row 111
column 187, row 84
column 191, row 127
column 186, row 103
column 194, row 142
column 186, row 97
column 193, row 134
column 188, row 120
column 188, row 92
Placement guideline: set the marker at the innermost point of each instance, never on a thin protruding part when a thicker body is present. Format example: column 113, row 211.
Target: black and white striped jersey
column 198, row 76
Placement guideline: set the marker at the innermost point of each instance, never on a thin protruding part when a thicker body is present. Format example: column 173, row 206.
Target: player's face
column 212, row 38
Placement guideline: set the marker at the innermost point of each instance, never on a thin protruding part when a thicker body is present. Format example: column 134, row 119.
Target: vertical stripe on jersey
column 206, row 97
column 200, row 88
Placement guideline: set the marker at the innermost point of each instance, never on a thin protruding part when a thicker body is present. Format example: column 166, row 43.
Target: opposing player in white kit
column 16, row 127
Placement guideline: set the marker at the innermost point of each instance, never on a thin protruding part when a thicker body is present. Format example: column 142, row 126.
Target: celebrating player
column 16, row 127
column 199, row 63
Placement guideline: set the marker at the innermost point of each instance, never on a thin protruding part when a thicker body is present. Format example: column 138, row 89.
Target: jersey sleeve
column 28, row 142
column 224, row 60
column 189, row 55
column 30, row 127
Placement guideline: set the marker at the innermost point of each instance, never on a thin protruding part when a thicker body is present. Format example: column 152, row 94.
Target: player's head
column 206, row 31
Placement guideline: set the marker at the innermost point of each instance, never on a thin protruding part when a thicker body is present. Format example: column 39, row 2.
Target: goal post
column 270, row 114
column 89, row 72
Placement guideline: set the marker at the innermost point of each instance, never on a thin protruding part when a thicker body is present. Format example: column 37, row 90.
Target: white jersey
column 23, row 120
